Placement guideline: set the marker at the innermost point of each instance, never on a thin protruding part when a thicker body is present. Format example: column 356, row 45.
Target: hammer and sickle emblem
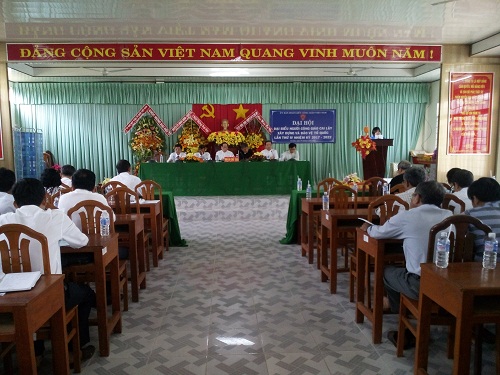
column 208, row 112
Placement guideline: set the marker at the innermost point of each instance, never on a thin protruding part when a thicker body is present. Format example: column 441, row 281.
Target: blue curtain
column 83, row 123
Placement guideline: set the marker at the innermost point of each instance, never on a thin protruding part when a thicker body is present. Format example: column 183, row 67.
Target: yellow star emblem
column 241, row 112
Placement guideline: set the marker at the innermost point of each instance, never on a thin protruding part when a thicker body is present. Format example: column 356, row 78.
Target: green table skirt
column 170, row 212
column 294, row 212
column 217, row 179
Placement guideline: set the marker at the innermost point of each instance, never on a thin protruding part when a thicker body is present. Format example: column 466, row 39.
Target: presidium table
column 240, row 178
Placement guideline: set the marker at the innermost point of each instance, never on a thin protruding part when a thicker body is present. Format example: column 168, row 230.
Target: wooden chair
column 388, row 205
column 448, row 197
column 461, row 250
column 48, row 201
column 15, row 253
column 326, row 185
column 110, row 185
column 372, row 187
column 149, row 190
column 89, row 213
column 399, row 188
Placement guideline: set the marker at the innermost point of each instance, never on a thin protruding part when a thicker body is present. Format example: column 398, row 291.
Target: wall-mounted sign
column 222, row 52
column 469, row 129
column 303, row 126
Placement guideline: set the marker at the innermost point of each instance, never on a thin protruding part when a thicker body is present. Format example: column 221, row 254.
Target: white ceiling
column 472, row 22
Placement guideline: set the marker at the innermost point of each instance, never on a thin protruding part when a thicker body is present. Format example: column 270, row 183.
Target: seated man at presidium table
column 177, row 155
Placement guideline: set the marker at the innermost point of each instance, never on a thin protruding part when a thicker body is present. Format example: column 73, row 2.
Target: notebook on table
column 18, row 281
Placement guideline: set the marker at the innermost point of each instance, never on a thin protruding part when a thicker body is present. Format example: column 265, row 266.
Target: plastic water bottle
column 326, row 201
column 490, row 252
column 56, row 202
column 442, row 250
column 161, row 158
column 299, row 184
column 385, row 189
column 308, row 191
column 355, row 188
column 104, row 223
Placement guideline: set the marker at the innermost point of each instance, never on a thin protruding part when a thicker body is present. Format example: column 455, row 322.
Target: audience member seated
column 485, row 196
column 403, row 165
column 66, row 174
column 28, row 195
column 177, row 155
column 449, row 177
column 291, row 154
column 269, row 152
column 460, row 182
column 413, row 227
column 223, row 152
column 244, row 153
column 51, row 180
column 203, row 154
column 7, row 180
column 123, row 168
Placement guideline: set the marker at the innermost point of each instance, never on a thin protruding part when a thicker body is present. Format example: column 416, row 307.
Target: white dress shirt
column 71, row 199
column 174, row 157
column 55, row 225
column 220, row 155
column 6, row 203
column 270, row 154
column 205, row 156
column 462, row 194
column 287, row 155
column 128, row 180
column 66, row 181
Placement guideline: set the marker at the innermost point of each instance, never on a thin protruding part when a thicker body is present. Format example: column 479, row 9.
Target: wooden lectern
column 375, row 162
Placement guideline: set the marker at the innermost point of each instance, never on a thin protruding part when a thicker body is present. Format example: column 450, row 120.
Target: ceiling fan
column 105, row 71
column 351, row 72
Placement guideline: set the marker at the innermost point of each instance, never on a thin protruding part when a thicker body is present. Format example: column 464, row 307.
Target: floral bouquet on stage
column 190, row 158
column 232, row 138
column 257, row 156
column 146, row 139
column 191, row 138
column 351, row 179
column 364, row 144
column 254, row 140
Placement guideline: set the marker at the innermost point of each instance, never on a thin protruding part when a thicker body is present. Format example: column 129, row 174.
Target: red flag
column 213, row 114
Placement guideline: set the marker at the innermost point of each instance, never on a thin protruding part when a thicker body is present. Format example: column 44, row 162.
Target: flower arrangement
column 232, row 138
column 191, row 138
column 364, row 144
column 351, row 179
column 257, row 156
column 254, row 140
column 147, row 139
column 190, row 158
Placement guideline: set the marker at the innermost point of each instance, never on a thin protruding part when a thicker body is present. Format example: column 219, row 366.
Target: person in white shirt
column 177, row 155
column 269, row 152
column 56, row 226
column 7, row 180
column 460, row 182
column 291, row 154
column 223, row 152
column 123, row 168
column 202, row 153
column 66, row 174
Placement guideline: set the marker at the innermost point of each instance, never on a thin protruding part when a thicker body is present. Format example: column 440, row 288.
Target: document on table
column 16, row 282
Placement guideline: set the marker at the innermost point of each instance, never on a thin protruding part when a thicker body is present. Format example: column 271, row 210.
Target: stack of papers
column 16, row 282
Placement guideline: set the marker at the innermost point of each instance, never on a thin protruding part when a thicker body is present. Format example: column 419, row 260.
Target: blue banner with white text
column 303, row 126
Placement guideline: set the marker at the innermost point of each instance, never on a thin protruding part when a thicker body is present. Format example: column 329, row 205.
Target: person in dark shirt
column 403, row 165
column 244, row 153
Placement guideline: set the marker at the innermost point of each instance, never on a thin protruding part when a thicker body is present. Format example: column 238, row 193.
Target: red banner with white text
column 213, row 114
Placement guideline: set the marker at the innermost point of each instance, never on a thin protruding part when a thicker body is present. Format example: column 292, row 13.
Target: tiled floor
column 237, row 302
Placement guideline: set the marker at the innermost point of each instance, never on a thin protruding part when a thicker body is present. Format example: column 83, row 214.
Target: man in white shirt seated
column 269, row 152
column 291, row 154
column 460, row 182
column 223, row 152
column 177, row 155
column 7, row 180
column 123, row 168
column 29, row 195
column 202, row 153
column 66, row 174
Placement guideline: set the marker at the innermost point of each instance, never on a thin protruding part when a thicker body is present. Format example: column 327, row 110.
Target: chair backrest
column 399, row 188
column 48, row 201
column 448, row 197
column 148, row 189
column 461, row 239
column 64, row 189
column 340, row 195
column 110, row 185
column 389, row 206
column 326, row 185
column 372, row 187
column 15, row 248
column 124, row 199
column 89, row 213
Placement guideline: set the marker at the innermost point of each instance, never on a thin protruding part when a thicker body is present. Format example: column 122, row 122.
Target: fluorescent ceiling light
column 229, row 72
column 461, row 79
